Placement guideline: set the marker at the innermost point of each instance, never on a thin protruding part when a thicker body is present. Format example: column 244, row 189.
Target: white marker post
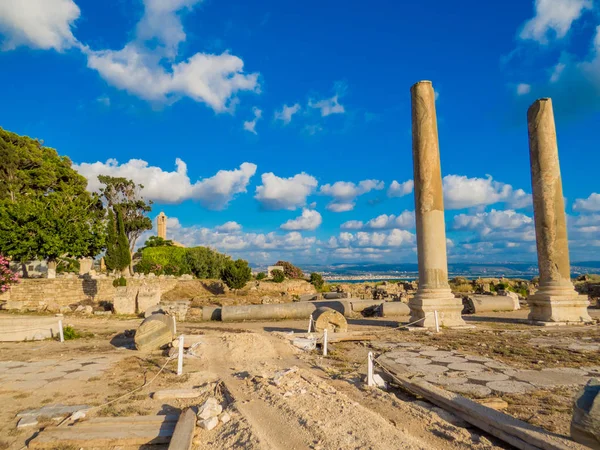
column 309, row 324
column 60, row 331
column 437, row 321
column 370, row 381
column 180, row 358
column 325, row 342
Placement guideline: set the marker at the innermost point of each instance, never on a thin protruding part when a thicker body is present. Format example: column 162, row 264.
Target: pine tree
column 111, row 257
column 124, row 255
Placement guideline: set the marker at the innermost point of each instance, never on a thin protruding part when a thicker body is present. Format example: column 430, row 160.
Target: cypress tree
column 110, row 259
column 124, row 256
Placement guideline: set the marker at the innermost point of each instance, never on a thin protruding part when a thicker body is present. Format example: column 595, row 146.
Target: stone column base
column 558, row 306
column 426, row 301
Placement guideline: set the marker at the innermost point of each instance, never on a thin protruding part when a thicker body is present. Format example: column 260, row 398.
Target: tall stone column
column 434, row 293
column 556, row 300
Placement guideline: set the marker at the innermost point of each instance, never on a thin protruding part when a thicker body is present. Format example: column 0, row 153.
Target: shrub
column 290, row 270
column 278, row 276
column 261, row 276
column 236, row 274
column 204, row 262
column 317, row 280
column 70, row 333
column 7, row 276
column 67, row 265
column 164, row 260
column 119, row 282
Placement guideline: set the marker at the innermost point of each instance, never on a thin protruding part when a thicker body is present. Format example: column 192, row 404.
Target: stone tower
column 161, row 222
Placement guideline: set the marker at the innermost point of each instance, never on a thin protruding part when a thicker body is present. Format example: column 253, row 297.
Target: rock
column 177, row 393
column 585, row 425
column 210, row 409
column 27, row 422
column 224, row 417
column 208, row 424
column 79, row 309
column 65, row 310
column 305, row 343
column 379, row 382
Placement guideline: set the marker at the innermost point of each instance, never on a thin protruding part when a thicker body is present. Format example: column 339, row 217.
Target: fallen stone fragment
column 26, row 422
column 379, row 382
column 585, row 425
column 281, row 374
column 177, row 393
column 53, row 411
column 305, row 343
column 208, row 424
column 211, row 408
column 225, row 417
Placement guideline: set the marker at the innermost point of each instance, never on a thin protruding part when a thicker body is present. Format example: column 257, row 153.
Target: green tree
column 236, row 274
column 278, row 276
column 155, row 241
column 123, row 252
column 317, row 280
column 124, row 194
column 261, row 276
column 45, row 210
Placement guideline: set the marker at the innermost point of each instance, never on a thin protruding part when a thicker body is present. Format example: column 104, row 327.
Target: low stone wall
column 38, row 294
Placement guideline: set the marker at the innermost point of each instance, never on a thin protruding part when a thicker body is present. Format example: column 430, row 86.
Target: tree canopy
column 126, row 195
column 45, row 210
column 236, row 274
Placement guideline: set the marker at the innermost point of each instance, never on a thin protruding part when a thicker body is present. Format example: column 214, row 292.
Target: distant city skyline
column 274, row 130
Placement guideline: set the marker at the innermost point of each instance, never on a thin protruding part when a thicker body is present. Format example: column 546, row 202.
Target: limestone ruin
column 556, row 300
column 434, row 293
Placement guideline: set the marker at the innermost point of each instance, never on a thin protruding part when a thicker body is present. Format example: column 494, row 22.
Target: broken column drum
column 434, row 292
column 556, row 300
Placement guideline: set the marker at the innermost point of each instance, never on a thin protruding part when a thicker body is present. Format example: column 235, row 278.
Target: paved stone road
column 480, row 376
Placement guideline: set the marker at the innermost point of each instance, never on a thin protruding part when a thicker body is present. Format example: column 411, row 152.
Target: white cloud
column 345, row 192
column 173, row 187
column 363, row 239
column 556, row 73
column 553, row 15
column 104, row 100
column 590, row 204
column 309, row 220
column 147, row 66
column 286, row 113
column 463, row 192
column 328, row 106
column 250, row 125
column 400, row 189
column 285, row 193
column 523, row 89
column 228, row 227
column 339, row 207
column 42, row 24
column 406, row 220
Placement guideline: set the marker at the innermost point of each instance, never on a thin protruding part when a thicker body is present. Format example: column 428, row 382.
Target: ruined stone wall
column 36, row 294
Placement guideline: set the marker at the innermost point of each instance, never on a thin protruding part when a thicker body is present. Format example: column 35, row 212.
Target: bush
column 67, row 265
column 164, row 261
column 236, row 274
column 119, row 282
column 70, row 333
column 261, row 276
column 278, row 276
column 317, row 280
column 204, row 262
column 290, row 270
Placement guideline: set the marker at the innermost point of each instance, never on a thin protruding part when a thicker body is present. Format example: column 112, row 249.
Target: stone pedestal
column 85, row 265
column 556, row 299
column 124, row 301
column 147, row 297
column 51, row 269
column 434, row 293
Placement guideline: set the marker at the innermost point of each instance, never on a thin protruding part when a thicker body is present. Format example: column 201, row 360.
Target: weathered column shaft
column 434, row 292
column 556, row 300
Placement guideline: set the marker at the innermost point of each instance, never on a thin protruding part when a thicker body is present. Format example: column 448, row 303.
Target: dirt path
column 289, row 405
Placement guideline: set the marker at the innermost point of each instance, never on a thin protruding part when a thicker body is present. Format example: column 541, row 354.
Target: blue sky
column 277, row 130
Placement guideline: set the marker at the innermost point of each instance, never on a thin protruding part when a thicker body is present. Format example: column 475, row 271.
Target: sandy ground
column 282, row 398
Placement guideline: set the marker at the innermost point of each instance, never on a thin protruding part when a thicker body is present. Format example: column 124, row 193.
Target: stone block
column 585, row 425
column 124, row 301
column 177, row 308
column 148, row 296
column 27, row 328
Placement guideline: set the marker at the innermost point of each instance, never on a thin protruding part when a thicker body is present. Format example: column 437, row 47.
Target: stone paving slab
column 479, row 376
